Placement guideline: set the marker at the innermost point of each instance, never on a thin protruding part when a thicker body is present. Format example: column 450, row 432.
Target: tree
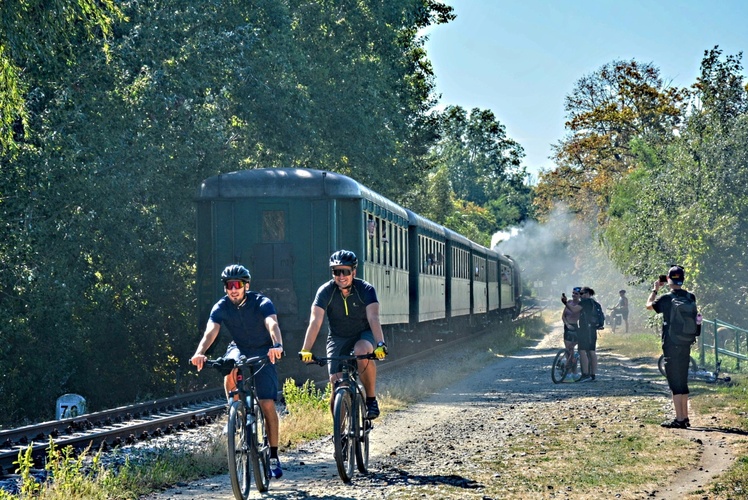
column 687, row 200
column 482, row 166
column 97, row 245
column 621, row 101
column 41, row 34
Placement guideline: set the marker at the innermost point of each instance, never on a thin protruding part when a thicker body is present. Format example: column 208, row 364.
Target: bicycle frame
column 351, row 427
column 247, row 435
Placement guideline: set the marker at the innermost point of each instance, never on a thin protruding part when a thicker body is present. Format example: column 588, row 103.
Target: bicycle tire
column 362, row 428
column 239, row 471
column 259, row 450
column 693, row 366
column 573, row 369
column 344, row 435
column 558, row 368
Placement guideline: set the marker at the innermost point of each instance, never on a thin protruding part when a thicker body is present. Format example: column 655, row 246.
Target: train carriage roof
column 422, row 222
column 290, row 183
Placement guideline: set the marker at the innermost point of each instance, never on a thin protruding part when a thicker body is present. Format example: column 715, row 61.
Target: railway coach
column 283, row 224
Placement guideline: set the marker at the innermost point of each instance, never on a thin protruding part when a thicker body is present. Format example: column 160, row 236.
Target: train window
column 273, row 225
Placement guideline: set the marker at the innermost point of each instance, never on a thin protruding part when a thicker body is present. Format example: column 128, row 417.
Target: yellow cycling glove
column 381, row 351
column 305, row 356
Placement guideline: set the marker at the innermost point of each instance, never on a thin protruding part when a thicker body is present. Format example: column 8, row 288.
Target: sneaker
column 585, row 378
column 372, row 409
column 275, row 468
column 688, row 422
column 592, row 377
column 675, row 424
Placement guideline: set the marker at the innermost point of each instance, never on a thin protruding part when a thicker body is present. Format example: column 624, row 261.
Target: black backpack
column 682, row 327
column 600, row 316
column 597, row 321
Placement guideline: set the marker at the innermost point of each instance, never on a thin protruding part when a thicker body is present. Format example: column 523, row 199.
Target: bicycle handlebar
column 324, row 360
column 224, row 363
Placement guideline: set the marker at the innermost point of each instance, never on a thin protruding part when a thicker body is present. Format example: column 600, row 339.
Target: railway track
column 127, row 425
column 111, row 428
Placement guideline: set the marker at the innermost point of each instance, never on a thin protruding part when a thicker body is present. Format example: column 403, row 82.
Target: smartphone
column 663, row 279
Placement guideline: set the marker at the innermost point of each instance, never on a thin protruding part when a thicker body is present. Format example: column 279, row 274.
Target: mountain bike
column 247, row 434
column 696, row 373
column 351, row 427
column 693, row 366
column 615, row 318
column 562, row 370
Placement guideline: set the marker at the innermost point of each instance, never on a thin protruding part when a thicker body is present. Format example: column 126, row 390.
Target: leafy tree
column 482, row 167
column 686, row 202
column 621, row 101
column 97, row 247
column 41, row 34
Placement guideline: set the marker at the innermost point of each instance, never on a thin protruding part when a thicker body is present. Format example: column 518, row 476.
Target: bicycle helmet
column 344, row 258
column 235, row 272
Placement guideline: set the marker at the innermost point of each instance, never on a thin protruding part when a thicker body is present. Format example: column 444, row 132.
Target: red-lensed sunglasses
column 344, row 272
column 234, row 285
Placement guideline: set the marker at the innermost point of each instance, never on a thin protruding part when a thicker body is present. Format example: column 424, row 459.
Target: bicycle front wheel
column 237, row 451
column 344, row 434
column 259, row 450
column 362, row 429
column 558, row 368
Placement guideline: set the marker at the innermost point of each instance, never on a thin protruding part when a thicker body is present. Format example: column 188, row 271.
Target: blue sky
column 521, row 58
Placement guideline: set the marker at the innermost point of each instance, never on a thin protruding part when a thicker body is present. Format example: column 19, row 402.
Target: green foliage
column 686, row 202
column 301, row 399
column 98, row 242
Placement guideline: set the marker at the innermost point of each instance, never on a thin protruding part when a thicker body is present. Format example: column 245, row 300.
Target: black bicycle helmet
column 344, row 258
column 235, row 272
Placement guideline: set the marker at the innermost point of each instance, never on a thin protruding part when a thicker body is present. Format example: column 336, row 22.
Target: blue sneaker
column 275, row 468
column 372, row 409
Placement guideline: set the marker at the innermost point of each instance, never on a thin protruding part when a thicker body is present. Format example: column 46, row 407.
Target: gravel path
column 438, row 445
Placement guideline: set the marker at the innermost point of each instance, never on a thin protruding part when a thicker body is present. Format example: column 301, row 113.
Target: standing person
column 253, row 324
column 677, row 353
column 622, row 307
column 570, row 319
column 352, row 312
column 587, row 333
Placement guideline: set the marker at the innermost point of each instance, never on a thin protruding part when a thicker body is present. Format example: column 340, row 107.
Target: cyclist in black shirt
column 352, row 312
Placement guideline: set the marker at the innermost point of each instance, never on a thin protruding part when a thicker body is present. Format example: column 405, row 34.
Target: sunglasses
column 341, row 272
column 234, row 285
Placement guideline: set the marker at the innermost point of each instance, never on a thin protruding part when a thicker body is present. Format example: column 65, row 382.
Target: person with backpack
column 679, row 332
column 591, row 319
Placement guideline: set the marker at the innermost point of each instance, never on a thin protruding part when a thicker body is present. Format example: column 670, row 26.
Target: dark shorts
column 266, row 378
column 677, row 363
column 570, row 334
column 624, row 313
column 587, row 340
column 342, row 346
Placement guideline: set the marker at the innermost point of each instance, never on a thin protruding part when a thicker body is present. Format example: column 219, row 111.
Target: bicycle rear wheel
column 362, row 428
column 558, row 368
column 692, row 367
column 237, row 451
column 344, row 434
column 259, row 450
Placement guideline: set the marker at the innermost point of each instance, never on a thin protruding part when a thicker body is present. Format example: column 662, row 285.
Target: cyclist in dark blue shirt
column 352, row 312
column 252, row 321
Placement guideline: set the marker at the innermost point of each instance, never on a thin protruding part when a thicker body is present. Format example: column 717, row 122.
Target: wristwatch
column 278, row 346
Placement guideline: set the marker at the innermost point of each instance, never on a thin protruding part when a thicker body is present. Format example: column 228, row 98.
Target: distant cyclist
column 622, row 308
column 253, row 324
column 352, row 312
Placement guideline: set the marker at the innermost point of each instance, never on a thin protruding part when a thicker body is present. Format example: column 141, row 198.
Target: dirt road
column 440, row 447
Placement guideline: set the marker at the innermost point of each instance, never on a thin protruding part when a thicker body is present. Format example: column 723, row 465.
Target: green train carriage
column 283, row 224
